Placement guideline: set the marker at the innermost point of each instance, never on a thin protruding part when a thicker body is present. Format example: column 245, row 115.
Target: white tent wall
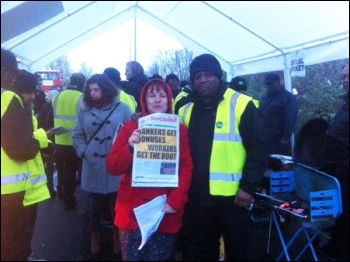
column 246, row 36
column 315, row 55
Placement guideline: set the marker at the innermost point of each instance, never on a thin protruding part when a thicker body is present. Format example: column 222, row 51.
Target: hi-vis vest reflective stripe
column 15, row 176
column 129, row 100
column 228, row 153
column 178, row 97
column 256, row 103
column 38, row 191
column 65, row 109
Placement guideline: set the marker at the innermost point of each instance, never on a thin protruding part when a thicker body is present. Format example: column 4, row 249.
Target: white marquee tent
column 246, row 36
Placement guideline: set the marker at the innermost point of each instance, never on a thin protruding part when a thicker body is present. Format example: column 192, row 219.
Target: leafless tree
column 63, row 65
column 172, row 61
column 86, row 70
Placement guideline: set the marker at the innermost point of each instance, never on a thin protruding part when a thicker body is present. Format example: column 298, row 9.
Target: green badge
column 219, row 124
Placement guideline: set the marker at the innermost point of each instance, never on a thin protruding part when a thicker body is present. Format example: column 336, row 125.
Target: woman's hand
column 168, row 209
column 135, row 137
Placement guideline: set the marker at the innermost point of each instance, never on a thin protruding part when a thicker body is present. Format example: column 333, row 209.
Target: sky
column 116, row 47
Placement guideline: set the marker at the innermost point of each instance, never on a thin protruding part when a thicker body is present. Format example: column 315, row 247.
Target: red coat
column 119, row 162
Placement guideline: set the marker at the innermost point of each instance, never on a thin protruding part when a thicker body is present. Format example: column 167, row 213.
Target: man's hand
column 243, row 199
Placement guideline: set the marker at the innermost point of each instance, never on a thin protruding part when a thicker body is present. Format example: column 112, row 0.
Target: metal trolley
column 311, row 197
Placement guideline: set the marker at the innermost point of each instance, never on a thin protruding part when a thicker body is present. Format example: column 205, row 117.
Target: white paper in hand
column 149, row 216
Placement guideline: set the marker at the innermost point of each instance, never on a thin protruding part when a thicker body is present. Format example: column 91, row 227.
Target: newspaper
column 57, row 130
column 156, row 157
column 149, row 216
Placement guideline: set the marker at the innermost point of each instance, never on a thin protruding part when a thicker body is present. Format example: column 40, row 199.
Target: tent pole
column 135, row 36
column 288, row 86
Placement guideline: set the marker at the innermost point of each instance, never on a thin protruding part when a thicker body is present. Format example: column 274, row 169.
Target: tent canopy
column 246, row 36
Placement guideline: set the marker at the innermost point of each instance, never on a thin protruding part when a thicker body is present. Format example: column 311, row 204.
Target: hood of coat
column 167, row 89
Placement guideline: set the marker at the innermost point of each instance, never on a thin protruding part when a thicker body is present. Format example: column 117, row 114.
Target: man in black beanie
column 174, row 82
column 239, row 84
column 280, row 111
column 114, row 75
column 229, row 152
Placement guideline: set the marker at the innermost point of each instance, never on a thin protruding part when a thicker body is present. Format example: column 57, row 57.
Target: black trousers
column 67, row 168
column 17, row 227
column 203, row 226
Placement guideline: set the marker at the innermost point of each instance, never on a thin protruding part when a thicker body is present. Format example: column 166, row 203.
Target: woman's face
column 95, row 91
column 156, row 100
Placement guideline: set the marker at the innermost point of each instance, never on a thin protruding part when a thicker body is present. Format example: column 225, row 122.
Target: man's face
column 206, row 84
column 272, row 87
column 128, row 72
column 7, row 77
column 173, row 83
column 345, row 78
column 28, row 98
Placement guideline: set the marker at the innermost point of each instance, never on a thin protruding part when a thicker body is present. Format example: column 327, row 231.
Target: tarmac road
column 64, row 236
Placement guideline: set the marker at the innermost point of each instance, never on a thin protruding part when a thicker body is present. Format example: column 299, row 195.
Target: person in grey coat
column 101, row 96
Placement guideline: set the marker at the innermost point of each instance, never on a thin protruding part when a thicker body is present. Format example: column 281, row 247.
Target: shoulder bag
column 104, row 122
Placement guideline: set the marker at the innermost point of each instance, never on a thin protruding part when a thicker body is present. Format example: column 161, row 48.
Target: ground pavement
column 64, row 235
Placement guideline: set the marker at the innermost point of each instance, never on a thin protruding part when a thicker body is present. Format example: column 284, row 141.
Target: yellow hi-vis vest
column 15, row 176
column 129, row 100
column 228, row 154
column 178, row 98
column 38, row 191
column 256, row 103
column 65, row 110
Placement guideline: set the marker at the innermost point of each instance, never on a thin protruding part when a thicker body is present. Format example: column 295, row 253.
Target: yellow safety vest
column 38, row 191
column 15, row 176
column 129, row 100
column 256, row 102
column 228, row 153
column 178, row 97
column 65, row 110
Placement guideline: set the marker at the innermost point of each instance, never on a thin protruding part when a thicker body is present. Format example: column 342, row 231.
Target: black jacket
column 17, row 132
column 201, row 132
column 280, row 112
column 134, row 86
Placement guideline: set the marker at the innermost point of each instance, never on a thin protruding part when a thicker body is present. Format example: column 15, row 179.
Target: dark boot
column 116, row 247
column 95, row 247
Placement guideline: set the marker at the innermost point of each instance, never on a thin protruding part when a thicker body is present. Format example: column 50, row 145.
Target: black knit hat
column 205, row 62
column 113, row 74
column 238, row 84
column 25, row 82
column 8, row 60
column 171, row 76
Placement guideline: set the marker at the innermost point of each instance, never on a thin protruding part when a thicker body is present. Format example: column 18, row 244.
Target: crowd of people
column 225, row 142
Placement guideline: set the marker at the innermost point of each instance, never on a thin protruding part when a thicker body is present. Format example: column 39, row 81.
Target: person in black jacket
column 39, row 101
column 174, row 82
column 229, row 151
column 19, row 145
column 136, row 79
column 336, row 163
column 45, row 121
column 280, row 111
